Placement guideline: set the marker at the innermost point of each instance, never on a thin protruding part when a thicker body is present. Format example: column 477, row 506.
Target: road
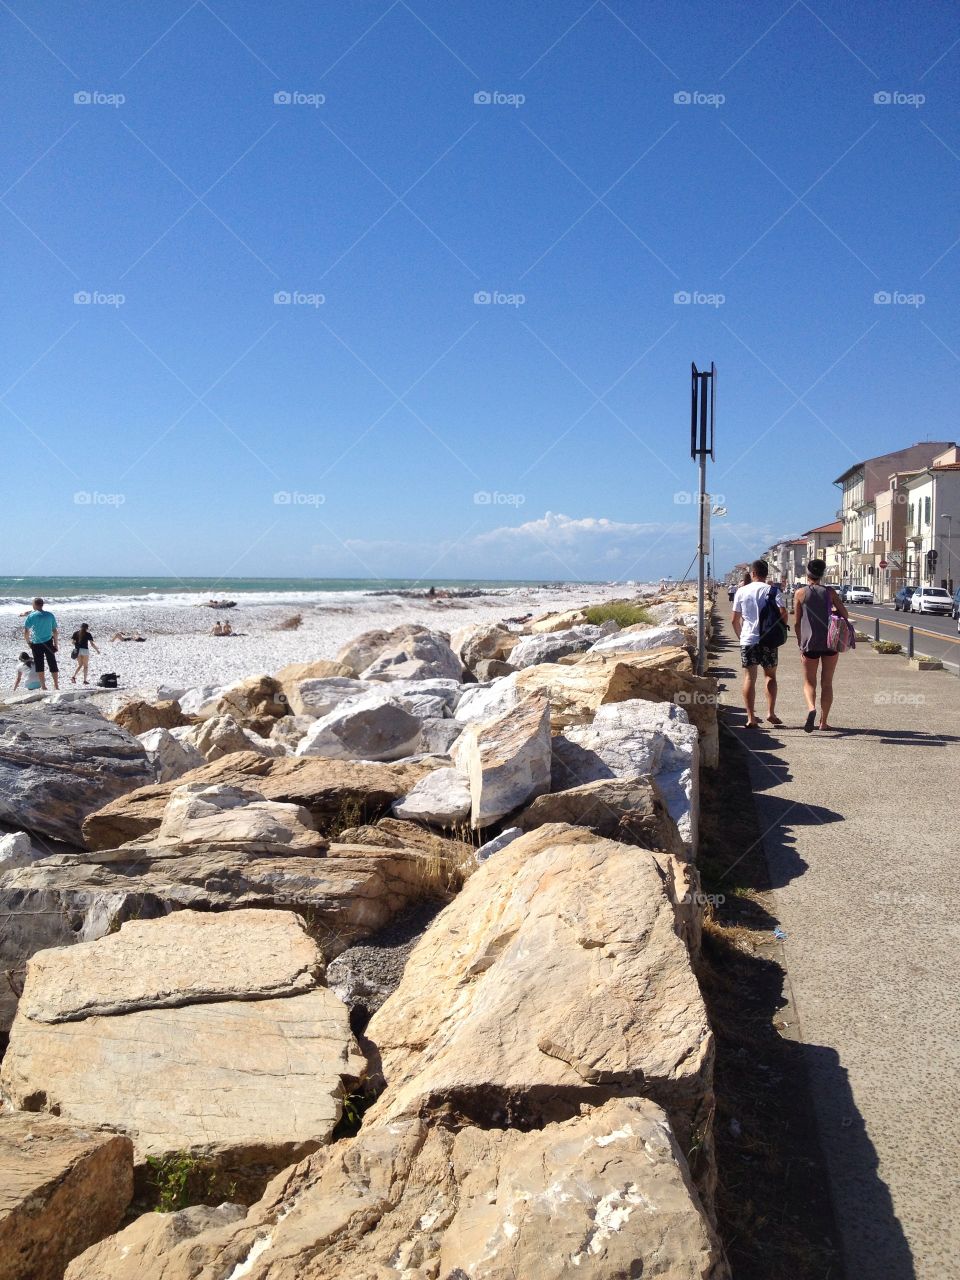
column 893, row 626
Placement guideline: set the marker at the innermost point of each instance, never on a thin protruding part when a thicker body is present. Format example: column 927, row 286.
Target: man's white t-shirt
column 748, row 602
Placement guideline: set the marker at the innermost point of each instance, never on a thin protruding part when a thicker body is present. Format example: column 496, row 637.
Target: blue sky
column 414, row 430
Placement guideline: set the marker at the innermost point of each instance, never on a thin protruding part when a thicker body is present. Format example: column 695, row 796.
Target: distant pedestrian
column 757, row 650
column 812, row 607
column 41, row 634
column 82, row 644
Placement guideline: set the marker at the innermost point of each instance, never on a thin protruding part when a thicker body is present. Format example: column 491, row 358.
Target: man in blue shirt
column 42, row 635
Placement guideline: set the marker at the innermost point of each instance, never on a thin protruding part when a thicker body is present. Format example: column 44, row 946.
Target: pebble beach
column 179, row 651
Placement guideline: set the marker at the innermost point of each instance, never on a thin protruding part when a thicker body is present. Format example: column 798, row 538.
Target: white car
column 859, row 595
column 931, row 600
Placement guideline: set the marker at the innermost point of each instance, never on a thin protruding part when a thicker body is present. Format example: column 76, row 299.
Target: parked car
column 956, row 604
column 931, row 600
column 859, row 595
column 902, row 599
column 844, row 591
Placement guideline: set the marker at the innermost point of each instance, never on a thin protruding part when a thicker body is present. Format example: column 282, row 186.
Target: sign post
column 703, row 395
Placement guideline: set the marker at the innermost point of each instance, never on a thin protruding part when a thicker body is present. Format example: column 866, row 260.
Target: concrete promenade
column 861, row 829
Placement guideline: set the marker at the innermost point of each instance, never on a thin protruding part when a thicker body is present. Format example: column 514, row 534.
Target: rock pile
column 537, row 1063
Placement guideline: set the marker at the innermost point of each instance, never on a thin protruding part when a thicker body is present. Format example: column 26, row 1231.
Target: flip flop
column 808, row 723
column 775, row 720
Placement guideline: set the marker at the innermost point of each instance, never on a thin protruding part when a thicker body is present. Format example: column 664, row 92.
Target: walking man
column 748, row 605
column 42, row 635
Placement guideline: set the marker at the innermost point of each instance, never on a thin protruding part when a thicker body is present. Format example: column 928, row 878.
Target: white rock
column 425, row 655
column 319, row 696
column 507, row 759
column 16, row 850
column 383, row 731
column 551, row 646
column 641, row 641
column 484, row 701
column 170, row 758
column 497, row 843
column 201, row 701
column 441, row 798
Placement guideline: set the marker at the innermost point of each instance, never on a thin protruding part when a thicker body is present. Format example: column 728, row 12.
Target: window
column 910, row 516
column 926, row 511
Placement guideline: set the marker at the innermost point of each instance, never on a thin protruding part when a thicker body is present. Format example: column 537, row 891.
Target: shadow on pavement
column 874, row 1242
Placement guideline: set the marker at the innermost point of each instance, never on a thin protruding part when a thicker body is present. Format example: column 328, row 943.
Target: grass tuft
column 622, row 612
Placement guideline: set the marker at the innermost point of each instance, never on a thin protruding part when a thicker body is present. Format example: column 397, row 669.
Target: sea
column 17, row 593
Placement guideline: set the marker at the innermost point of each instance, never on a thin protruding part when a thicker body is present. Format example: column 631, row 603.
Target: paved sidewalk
column 862, row 837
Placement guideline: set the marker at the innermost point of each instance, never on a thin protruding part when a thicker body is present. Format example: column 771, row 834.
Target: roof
column 946, row 466
column 920, row 455
column 835, row 526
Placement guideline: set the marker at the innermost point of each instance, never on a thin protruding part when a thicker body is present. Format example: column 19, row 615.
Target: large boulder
column 426, row 655
column 219, row 817
column 316, row 670
column 551, row 646
column 629, row 809
column 221, row 735
column 492, row 669
column 136, row 1250
column 627, row 739
column 318, row 695
column 441, row 799
column 640, row 638
column 256, row 698
column 556, row 621
column 577, row 691
column 62, row 1189
column 207, row 1052
column 507, row 759
column 201, row 701
column 556, row 974
column 485, row 701
column 606, row 1193
column 58, row 764
column 376, row 730
column 139, row 716
column 487, row 641
column 360, row 652
column 16, row 850
column 697, row 695
column 154, row 965
column 170, row 756
column 337, row 793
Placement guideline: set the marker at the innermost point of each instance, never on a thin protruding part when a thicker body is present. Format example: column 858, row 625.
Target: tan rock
column 677, row 658
column 604, row 1194
column 506, row 759
column 221, row 735
column 629, row 809
column 256, row 698
column 140, row 1250
column 139, row 717
column 221, row 817
column 555, row 974
column 337, row 793
column 157, row 964
column 366, row 648
column 61, row 1189
column 556, row 621
column 575, row 692
column 232, row 1082
column 319, row 669
column 487, row 641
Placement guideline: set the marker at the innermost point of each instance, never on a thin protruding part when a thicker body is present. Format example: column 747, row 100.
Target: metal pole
column 876, row 628
column 701, row 603
column 910, row 641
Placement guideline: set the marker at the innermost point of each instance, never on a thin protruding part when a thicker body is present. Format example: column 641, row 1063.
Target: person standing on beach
column 42, row 635
column 748, row 605
column 82, row 644
column 812, row 607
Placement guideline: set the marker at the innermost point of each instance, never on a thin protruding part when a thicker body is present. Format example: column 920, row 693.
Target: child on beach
column 26, row 672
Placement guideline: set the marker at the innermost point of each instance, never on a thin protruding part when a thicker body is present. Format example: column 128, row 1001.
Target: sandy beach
column 179, row 653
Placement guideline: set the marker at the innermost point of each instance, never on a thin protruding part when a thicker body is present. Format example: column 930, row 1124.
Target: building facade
column 932, row 511
column 859, row 550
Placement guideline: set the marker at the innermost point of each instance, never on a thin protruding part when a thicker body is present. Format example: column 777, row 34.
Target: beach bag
column 108, row 680
column 840, row 634
column 74, row 653
column 773, row 629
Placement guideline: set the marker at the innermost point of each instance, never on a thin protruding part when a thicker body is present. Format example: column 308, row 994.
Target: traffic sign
column 883, row 564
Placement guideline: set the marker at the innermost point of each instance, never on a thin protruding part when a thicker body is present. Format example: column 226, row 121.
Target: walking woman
column 82, row 644
column 812, row 606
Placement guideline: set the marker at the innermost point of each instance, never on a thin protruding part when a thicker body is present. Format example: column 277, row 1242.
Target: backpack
column 773, row 630
column 108, row 680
